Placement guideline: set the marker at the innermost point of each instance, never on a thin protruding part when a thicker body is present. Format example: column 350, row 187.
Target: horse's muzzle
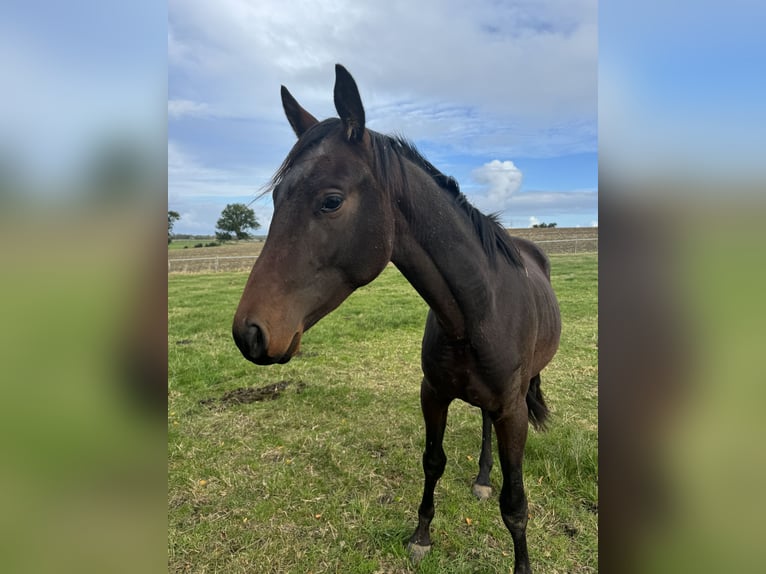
column 253, row 341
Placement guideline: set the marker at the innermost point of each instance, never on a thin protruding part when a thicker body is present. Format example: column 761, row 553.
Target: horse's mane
column 494, row 238
column 388, row 153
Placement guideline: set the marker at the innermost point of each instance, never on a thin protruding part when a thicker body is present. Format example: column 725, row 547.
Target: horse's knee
column 515, row 523
column 514, row 511
column 434, row 462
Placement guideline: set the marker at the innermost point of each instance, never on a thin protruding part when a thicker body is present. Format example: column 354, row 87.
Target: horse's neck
column 440, row 254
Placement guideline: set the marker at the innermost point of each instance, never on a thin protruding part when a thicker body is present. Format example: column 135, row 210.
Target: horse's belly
column 457, row 374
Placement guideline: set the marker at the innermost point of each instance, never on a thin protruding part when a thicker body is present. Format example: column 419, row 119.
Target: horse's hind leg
column 481, row 486
column 511, row 429
column 434, row 461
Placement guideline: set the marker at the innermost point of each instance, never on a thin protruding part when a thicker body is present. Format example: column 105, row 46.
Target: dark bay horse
column 348, row 200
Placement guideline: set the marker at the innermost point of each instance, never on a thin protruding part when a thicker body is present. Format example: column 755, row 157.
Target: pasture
column 315, row 466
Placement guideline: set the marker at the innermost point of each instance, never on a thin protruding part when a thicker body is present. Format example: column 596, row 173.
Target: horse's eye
column 331, row 203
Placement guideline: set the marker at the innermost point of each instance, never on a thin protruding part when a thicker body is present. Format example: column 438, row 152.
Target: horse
column 349, row 200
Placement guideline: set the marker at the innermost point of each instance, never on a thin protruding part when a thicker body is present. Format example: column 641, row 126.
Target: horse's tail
column 538, row 411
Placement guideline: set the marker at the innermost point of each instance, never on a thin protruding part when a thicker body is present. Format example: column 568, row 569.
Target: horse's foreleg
column 481, row 486
column 434, row 461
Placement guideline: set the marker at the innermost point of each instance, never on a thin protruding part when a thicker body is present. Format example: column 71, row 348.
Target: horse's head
column 332, row 230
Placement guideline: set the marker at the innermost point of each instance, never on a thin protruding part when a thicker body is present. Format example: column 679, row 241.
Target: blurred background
column 682, row 129
column 82, row 310
column 83, row 160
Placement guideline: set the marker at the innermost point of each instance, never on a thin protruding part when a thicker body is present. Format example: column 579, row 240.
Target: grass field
column 326, row 477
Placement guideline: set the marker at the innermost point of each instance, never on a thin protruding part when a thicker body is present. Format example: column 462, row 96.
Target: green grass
column 327, row 477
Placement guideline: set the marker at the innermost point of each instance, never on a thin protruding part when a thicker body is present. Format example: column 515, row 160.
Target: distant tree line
column 235, row 222
column 544, row 225
column 192, row 236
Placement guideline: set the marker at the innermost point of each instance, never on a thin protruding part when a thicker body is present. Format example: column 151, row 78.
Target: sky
column 500, row 95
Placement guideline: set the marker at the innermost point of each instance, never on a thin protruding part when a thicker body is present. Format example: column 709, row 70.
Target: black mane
column 492, row 235
column 388, row 152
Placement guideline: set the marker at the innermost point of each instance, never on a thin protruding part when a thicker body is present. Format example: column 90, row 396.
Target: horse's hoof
column 417, row 552
column 481, row 491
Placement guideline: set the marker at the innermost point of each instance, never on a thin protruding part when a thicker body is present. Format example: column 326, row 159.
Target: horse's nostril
column 251, row 339
column 255, row 339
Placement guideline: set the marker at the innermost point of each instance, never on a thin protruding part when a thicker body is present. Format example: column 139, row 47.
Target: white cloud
column 177, row 51
column 179, row 108
column 552, row 202
column 189, row 177
column 501, row 178
column 533, row 221
column 493, row 80
column 485, row 64
column 534, row 206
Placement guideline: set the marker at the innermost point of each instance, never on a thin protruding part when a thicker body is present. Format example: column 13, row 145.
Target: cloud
column 189, row 177
column 533, row 221
column 179, row 108
column 553, row 202
column 535, row 205
column 485, row 65
column 495, row 80
column 501, row 178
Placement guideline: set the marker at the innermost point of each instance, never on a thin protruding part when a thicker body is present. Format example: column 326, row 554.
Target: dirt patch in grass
column 244, row 395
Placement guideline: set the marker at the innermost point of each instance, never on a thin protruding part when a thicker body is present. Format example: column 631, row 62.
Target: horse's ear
column 348, row 103
column 299, row 119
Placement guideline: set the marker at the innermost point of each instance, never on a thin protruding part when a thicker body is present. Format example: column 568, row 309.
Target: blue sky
column 500, row 95
column 680, row 92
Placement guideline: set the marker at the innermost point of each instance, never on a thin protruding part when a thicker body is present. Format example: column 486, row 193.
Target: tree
column 173, row 216
column 235, row 220
column 545, row 225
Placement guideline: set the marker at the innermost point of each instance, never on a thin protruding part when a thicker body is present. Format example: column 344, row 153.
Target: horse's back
column 533, row 256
